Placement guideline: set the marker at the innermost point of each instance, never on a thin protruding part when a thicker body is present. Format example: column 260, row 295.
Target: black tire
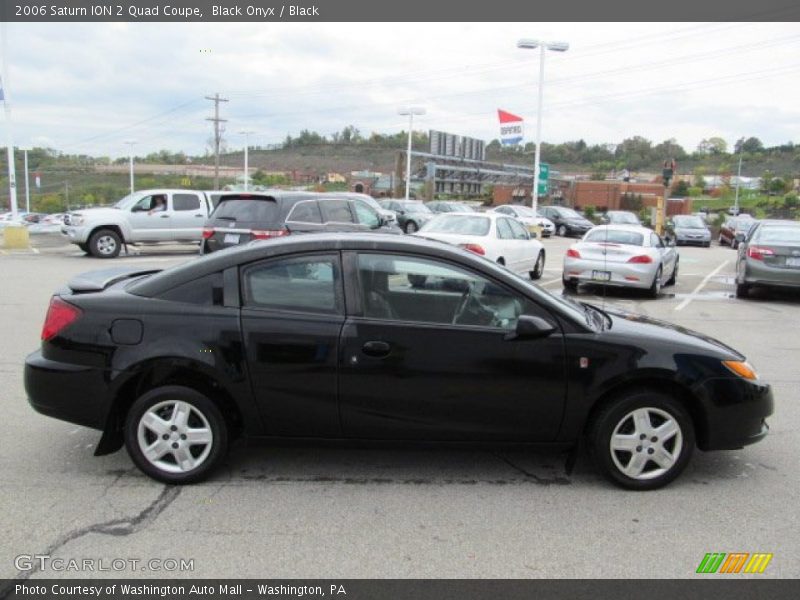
column 742, row 290
column 84, row 248
column 411, row 227
column 201, row 411
column 562, row 230
column 672, row 280
column 538, row 268
column 501, row 261
column 570, row 285
column 706, row 244
column 617, row 417
column 655, row 289
column 721, row 240
column 105, row 243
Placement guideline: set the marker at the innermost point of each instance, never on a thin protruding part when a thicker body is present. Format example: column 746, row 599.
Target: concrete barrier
column 16, row 237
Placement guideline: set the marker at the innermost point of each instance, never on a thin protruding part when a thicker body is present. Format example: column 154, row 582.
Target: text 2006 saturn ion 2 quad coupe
column 325, row 337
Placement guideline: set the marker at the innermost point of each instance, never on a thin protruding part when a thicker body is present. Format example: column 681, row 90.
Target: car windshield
column 779, row 235
column 615, row 236
column 414, row 207
column 457, row 206
column 623, row 218
column 568, row 213
column 525, row 211
column 689, row 222
column 127, row 201
column 459, row 224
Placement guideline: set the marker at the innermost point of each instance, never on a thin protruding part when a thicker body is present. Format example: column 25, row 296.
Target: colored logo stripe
column 714, row 562
column 711, row 562
column 734, row 562
column 758, row 562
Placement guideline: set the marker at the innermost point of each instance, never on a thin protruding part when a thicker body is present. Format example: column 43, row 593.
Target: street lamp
column 410, row 111
column 130, row 143
column 246, row 133
column 528, row 44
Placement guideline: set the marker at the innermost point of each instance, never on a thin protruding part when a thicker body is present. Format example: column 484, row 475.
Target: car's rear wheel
column 569, row 284
column 721, row 240
column 411, row 227
column 655, row 289
column 105, row 243
column 643, row 440
column 175, row 434
column 742, row 290
column 538, row 268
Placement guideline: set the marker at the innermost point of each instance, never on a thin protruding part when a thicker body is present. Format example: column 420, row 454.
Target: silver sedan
column 622, row 256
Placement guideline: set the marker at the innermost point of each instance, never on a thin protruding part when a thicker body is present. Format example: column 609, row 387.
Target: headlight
column 76, row 220
column 741, row 368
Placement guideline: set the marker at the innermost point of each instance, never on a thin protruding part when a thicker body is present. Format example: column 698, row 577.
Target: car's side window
column 302, row 284
column 519, row 231
column 412, row 289
column 655, row 241
column 504, row 231
column 367, row 216
column 306, row 211
column 185, row 202
column 336, row 211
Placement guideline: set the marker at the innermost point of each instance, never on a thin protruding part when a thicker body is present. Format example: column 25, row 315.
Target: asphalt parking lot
column 316, row 512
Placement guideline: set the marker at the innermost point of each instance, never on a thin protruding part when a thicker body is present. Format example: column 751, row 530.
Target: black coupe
column 326, row 337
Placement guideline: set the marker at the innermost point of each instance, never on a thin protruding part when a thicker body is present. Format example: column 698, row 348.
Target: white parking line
column 550, row 282
column 699, row 287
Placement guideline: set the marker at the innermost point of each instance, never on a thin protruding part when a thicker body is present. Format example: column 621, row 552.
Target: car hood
column 691, row 229
column 97, row 213
column 579, row 222
column 627, row 323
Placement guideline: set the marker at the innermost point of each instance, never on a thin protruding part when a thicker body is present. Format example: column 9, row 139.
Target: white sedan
column 528, row 217
column 495, row 236
column 621, row 255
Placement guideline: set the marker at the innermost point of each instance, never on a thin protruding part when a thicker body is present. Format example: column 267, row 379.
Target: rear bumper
column 581, row 271
column 735, row 413
column 758, row 273
column 68, row 392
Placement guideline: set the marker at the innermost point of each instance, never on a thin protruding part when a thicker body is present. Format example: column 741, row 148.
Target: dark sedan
column 566, row 220
column 411, row 214
column 769, row 257
column 324, row 337
column 688, row 229
column 734, row 230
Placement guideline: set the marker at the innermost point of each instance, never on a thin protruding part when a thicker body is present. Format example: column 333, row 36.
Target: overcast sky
column 85, row 88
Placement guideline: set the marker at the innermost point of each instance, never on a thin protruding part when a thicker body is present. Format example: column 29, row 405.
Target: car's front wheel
column 411, row 227
column 105, row 243
column 643, row 440
column 562, row 230
column 175, row 434
column 538, row 268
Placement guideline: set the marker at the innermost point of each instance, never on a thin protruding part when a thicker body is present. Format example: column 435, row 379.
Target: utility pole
column 738, row 180
column 217, row 133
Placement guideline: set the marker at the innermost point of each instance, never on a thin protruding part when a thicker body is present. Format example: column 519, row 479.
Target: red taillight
column 59, row 315
column 207, row 232
column 265, row 234
column 759, row 252
column 641, row 259
column 572, row 253
column 476, row 248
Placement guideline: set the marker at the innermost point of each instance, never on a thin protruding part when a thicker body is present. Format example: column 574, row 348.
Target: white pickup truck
column 144, row 217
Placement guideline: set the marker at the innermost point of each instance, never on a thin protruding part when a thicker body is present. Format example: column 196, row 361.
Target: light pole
column 410, row 111
column 528, row 44
column 246, row 133
column 27, row 181
column 738, row 181
column 5, row 97
column 130, row 143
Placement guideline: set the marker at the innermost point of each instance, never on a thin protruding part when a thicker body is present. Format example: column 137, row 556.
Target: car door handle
column 165, row 216
column 376, row 349
column 200, row 215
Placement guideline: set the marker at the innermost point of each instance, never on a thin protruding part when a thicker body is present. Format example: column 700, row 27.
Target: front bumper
column 735, row 413
column 77, row 234
column 68, row 392
column 700, row 239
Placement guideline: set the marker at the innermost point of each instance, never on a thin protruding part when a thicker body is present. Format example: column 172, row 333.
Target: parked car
column 687, row 229
column 389, row 216
column 528, row 217
column 411, row 214
column 566, row 220
column 621, row 256
column 448, row 206
column 769, row 257
column 494, row 236
column 734, row 230
column 139, row 218
column 242, row 217
column 620, row 217
column 291, row 338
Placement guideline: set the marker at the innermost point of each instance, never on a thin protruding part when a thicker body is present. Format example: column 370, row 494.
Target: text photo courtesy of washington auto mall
column 328, row 299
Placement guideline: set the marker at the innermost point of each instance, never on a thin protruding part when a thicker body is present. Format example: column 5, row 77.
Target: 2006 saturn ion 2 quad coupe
column 324, row 337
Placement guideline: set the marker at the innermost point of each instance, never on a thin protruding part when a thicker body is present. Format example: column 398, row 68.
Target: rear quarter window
column 205, row 291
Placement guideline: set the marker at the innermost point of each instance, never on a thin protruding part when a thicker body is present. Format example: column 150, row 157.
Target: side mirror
column 530, row 327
